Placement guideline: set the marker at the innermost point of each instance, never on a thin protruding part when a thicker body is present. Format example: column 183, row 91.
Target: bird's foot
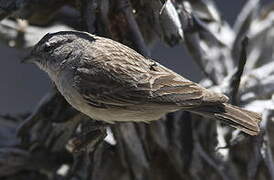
column 87, row 137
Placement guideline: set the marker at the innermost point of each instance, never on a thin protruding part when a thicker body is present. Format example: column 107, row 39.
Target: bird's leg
column 84, row 145
column 78, row 159
column 87, row 136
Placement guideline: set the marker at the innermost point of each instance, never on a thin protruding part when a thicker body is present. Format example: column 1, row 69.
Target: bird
column 111, row 82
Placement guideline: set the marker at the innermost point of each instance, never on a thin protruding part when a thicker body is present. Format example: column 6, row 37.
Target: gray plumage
column 109, row 81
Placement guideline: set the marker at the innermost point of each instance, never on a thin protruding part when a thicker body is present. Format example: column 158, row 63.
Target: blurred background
column 22, row 86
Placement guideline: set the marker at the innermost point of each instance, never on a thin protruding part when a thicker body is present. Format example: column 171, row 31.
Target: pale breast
column 64, row 83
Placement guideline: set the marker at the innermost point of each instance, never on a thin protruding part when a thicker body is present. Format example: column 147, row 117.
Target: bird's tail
column 241, row 119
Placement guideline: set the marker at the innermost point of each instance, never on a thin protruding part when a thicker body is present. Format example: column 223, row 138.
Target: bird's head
column 54, row 48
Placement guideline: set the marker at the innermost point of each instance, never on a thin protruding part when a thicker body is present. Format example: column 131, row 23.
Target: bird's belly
column 108, row 114
column 122, row 115
column 112, row 114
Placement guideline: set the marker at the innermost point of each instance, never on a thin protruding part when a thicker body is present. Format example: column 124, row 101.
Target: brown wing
column 122, row 77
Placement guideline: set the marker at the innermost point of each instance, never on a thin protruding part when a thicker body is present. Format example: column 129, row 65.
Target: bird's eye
column 47, row 48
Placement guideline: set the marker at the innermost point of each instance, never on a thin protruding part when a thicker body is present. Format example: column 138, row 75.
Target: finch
column 109, row 81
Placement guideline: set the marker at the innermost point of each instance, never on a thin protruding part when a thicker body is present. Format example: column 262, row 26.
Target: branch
column 236, row 77
column 131, row 150
column 242, row 25
column 137, row 37
column 171, row 26
column 52, row 108
column 258, row 83
column 254, row 162
column 89, row 8
column 267, row 153
column 210, row 161
column 11, row 33
column 38, row 12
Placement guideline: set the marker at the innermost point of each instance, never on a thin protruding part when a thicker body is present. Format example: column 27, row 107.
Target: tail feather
column 241, row 119
column 257, row 117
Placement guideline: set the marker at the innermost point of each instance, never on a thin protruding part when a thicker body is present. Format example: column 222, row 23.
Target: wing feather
column 122, row 77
